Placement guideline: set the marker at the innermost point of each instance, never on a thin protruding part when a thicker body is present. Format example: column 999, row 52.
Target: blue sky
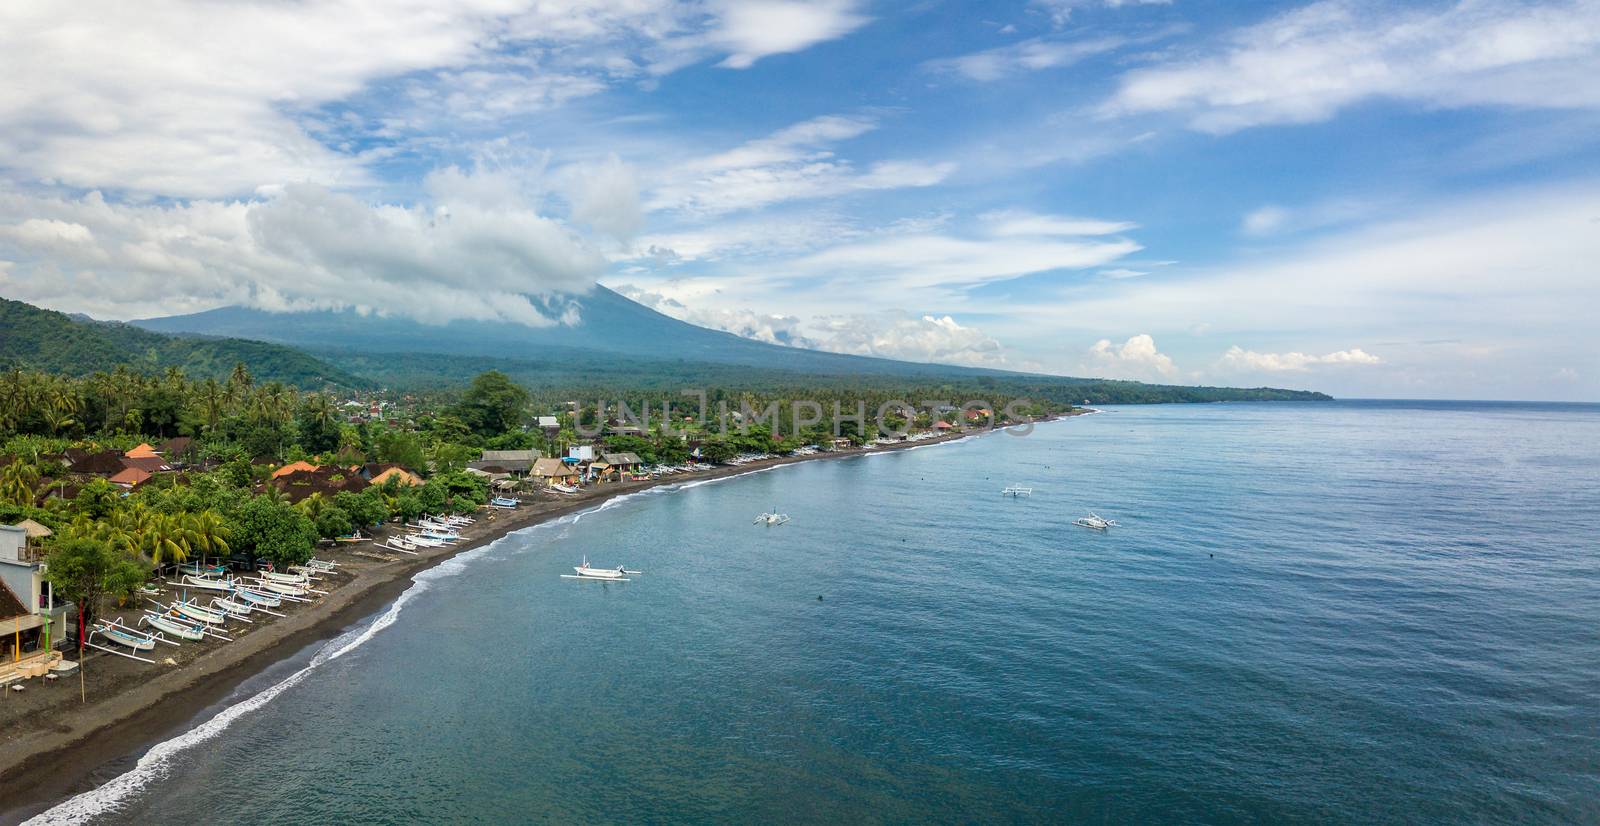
column 1372, row 199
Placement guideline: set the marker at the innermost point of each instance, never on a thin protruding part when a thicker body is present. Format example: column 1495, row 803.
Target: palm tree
column 17, row 483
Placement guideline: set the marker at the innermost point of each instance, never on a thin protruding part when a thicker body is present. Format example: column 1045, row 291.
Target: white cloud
column 1135, row 358
column 303, row 247
column 1031, row 55
column 182, row 99
column 1123, row 272
column 1305, row 65
column 753, row 29
column 890, row 334
column 1060, row 11
column 1009, row 223
column 796, row 162
column 1238, row 358
column 916, row 261
column 937, row 339
column 605, row 195
column 1265, row 220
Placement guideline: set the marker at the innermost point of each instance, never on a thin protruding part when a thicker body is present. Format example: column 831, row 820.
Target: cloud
column 1265, row 220
column 304, row 247
column 753, row 29
column 796, row 162
column 1008, row 223
column 915, row 261
column 891, row 334
column 1123, row 272
column 1060, row 11
column 927, row 338
column 1238, row 358
column 212, row 100
column 1135, row 358
column 1305, row 65
column 1031, row 55
column 605, row 195
column 771, row 328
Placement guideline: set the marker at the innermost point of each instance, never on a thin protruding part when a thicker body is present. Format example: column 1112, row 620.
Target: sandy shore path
column 53, row 746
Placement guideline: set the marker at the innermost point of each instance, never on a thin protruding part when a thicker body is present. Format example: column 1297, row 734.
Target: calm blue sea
column 1349, row 612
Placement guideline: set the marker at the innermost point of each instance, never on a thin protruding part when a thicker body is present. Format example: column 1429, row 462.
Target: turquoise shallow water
column 1350, row 611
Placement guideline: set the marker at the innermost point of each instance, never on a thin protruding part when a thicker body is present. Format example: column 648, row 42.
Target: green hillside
column 38, row 339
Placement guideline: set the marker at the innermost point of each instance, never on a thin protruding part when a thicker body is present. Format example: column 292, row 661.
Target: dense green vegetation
column 39, row 339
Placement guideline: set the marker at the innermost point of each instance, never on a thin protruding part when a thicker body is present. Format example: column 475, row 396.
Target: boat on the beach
column 175, row 626
column 772, row 518
column 1095, row 522
column 208, row 583
column 258, row 599
column 194, row 611
column 291, row 578
column 1017, row 490
column 504, row 503
column 124, row 636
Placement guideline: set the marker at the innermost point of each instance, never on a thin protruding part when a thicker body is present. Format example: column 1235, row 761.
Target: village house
column 381, row 473
column 294, row 467
column 515, row 462
column 622, row 463
column 555, row 471
column 22, row 581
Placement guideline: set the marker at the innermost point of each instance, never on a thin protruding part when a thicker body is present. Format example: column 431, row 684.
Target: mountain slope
column 39, row 339
column 610, row 324
column 625, row 345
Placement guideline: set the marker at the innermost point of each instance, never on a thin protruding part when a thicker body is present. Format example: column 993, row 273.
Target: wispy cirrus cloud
column 797, row 162
column 1305, row 65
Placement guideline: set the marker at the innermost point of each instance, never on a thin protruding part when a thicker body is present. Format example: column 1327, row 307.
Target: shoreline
column 44, row 767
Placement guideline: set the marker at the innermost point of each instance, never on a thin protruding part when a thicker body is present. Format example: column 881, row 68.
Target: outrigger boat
column 1095, row 522
column 401, row 544
column 209, row 584
column 586, row 571
column 174, row 625
column 122, row 635
column 288, row 579
column 238, row 610
column 773, row 518
column 194, row 611
column 1017, row 490
column 504, row 503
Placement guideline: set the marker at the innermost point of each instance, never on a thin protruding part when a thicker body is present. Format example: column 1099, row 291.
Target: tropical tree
column 18, row 483
column 86, row 571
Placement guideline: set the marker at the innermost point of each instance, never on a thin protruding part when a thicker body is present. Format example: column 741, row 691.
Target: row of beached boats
column 236, row 599
column 429, row 532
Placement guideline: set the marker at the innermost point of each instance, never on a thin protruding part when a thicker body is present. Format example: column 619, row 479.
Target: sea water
column 1347, row 611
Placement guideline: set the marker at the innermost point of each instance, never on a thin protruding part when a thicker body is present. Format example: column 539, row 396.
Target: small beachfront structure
column 554, row 471
column 515, row 462
column 22, row 577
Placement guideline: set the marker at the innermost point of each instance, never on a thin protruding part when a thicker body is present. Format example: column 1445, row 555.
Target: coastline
column 41, row 767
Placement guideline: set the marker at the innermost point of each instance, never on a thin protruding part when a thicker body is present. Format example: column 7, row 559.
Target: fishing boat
column 587, row 571
column 195, row 611
column 401, row 544
column 321, row 564
column 1017, row 490
column 773, row 518
column 175, row 626
column 258, row 599
column 1094, row 522
column 504, row 503
column 238, row 610
column 208, row 583
column 124, row 636
column 290, row 579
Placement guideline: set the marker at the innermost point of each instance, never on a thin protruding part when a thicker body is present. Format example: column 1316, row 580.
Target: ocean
column 1350, row 611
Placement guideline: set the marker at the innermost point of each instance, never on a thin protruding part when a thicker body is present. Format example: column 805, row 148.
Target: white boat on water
column 772, row 518
column 1017, row 490
column 1095, row 522
column 587, row 571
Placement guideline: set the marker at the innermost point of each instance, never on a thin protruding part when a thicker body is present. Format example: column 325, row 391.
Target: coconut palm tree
column 18, row 482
